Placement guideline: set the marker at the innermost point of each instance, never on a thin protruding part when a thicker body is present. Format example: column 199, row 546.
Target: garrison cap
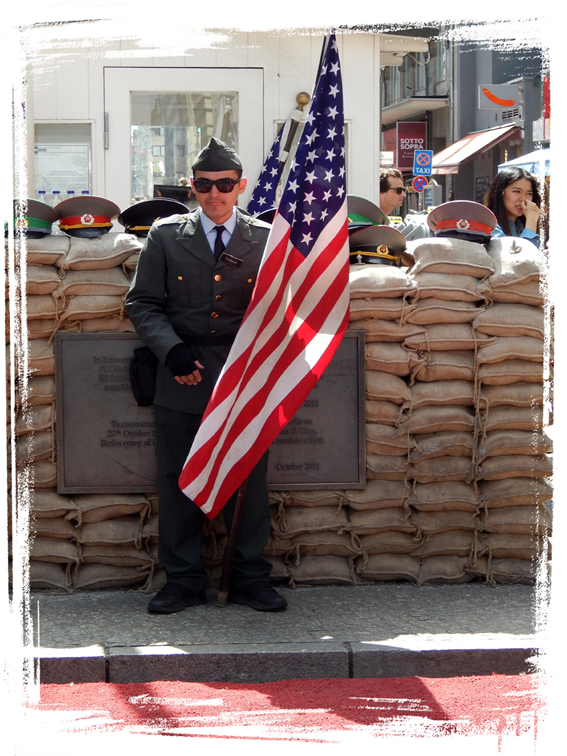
column 462, row 219
column 381, row 245
column 362, row 213
column 33, row 218
column 217, row 156
column 86, row 216
column 138, row 218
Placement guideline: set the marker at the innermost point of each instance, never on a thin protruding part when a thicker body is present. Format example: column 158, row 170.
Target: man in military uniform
column 191, row 289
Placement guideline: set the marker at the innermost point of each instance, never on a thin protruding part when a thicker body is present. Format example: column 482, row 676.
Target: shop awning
column 411, row 106
column 449, row 159
column 537, row 162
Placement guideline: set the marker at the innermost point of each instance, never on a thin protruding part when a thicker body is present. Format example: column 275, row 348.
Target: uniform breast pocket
column 178, row 287
column 243, row 281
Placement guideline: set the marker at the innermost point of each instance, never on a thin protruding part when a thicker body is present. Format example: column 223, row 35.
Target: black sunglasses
column 224, row 185
column 397, row 189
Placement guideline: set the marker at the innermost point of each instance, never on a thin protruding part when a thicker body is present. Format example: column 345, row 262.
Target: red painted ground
column 297, row 709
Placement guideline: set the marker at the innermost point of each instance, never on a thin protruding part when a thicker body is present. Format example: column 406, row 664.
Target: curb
column 406, row 656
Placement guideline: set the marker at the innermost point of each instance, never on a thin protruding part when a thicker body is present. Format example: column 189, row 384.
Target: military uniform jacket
column 180, row 291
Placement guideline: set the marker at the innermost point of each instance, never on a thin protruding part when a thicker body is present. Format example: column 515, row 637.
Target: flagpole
column 230, row 552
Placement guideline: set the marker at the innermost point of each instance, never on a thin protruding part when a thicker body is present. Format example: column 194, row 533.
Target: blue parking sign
column 422, row 160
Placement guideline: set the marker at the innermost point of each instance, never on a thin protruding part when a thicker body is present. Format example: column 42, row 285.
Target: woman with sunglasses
column 192, row 286
column 514, row 199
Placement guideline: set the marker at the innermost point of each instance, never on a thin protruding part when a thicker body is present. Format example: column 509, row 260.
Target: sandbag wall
column 456, row 456
column 457, row 460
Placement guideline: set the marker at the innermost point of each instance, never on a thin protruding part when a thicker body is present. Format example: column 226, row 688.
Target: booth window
column 62, row 161
column 169, row 129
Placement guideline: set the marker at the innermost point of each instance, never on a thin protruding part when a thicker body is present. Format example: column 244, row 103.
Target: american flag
column 264, row 194
column 297, row 315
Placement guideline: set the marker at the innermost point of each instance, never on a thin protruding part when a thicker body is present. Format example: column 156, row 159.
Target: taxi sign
column 422, row 160
column 419, row 183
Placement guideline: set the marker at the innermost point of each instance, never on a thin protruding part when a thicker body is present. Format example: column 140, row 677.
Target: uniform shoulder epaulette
column 171, row 219
column 257, row 223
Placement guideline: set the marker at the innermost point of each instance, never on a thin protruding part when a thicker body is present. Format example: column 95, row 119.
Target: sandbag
column 443, row 286
column 444, row 569
column 383, row 386
column 386, row 413
column 440, row 469
column 511, row 348
column 384, row 439
column 451, row 257
column 444, row 497
column 108, row 281
column 50, row 250
column 372, row 281
column 442, row 444
column 515, row 492
column 515, row 466
column 433, row 310
column 433, row 419
column 447, row 366
column 516, row 260
column 456, row 392
column 387, row 330
column 390, row 358
column 99, row 252
column 506, row 442
column 323, row 570
column 516, row 395
column 511, row 320
column 99, row 507
column 378, row 494
column 41, row 279
column 388, row 567
column 383, row 467
column 510, row 371
column 385, row 308
column 47, row 503
column 387, row 542
column 379, row 521
column 447, row 337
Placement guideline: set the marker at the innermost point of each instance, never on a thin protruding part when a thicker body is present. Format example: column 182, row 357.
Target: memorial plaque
column 106, row 443
column 323, row 446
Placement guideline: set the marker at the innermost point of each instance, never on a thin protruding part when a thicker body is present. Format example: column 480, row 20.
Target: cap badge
column 87, row 219
column 22, row 222
column 463, row 224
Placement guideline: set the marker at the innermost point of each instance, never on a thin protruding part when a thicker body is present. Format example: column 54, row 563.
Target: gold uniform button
column 217, row 277
column 218, row 296
column 214, row 314
column 249, row 280
column 180, row 278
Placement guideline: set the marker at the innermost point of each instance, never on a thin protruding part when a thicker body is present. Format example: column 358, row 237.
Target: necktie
column 219, row 244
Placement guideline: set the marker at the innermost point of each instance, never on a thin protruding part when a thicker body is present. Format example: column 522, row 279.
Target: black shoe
column 174, row 597
column 260, row 596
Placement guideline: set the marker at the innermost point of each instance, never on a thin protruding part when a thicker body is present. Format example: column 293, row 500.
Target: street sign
column 422, row 160
column 419, row 183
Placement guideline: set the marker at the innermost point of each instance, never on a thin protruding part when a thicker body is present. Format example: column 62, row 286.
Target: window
column 175, row 126
column 62, row 161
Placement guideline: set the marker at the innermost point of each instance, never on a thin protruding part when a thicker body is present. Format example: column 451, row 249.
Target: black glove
column 180, row 360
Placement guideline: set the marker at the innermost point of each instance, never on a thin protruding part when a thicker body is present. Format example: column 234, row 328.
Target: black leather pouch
column 143, row 370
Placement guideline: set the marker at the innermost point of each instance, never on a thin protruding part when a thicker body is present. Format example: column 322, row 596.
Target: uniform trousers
column 181, row 521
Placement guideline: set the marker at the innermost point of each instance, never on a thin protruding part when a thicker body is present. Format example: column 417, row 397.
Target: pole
column 222, row 596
